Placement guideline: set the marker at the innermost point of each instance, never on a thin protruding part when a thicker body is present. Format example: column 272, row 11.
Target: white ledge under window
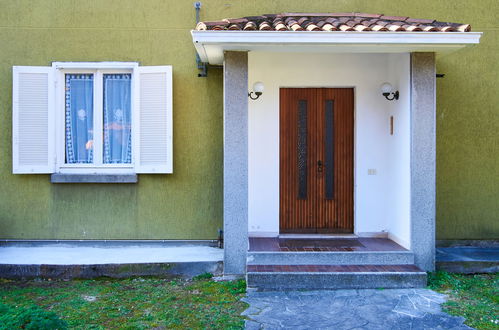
column 211, row 45
column 93, row 178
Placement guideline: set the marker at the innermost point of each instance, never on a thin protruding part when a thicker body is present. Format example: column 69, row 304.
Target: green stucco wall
column 188, row 203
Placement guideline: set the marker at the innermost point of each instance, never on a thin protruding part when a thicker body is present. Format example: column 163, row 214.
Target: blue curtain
column 79, row 118
column 117, row 119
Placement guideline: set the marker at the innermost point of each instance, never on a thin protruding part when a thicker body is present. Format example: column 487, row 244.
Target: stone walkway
column 349, row 309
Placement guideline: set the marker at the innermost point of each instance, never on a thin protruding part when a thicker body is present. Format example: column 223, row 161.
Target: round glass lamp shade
column 386, row 88
column 258, row 87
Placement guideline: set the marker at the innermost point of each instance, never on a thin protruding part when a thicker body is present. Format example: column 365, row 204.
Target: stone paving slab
column 349, row 309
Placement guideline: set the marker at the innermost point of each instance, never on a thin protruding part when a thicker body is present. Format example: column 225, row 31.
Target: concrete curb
column 183, row 269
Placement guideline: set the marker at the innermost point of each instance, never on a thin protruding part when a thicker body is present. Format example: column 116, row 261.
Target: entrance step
column 330, row 258
column 320, row 277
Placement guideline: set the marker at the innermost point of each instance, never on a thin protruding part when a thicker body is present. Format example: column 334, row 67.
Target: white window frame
column 98, row 69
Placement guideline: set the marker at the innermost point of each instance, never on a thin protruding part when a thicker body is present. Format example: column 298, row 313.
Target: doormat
column 306, row 244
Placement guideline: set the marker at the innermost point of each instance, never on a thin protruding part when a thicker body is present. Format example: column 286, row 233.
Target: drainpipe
column 202, row 67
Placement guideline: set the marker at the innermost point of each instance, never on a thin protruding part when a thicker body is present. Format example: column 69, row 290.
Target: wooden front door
column 316, row 160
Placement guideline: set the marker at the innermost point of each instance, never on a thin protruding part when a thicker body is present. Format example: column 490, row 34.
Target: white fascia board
column 212, row 44
column 95, row 65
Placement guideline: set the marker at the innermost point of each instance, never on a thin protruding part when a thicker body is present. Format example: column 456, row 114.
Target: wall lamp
column 387, row 90
column 257, row 90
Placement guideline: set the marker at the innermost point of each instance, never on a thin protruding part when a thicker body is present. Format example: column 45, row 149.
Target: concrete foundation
column 164, row 270
column 468, row 259
column 68, row 260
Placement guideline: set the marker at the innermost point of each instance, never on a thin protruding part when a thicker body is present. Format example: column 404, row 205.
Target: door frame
column 354, row 89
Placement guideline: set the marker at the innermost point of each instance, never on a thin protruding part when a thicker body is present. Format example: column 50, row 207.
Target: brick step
column 330, row 258
column 320, row 277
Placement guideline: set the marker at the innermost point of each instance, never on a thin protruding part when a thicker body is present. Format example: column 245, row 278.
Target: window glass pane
column 302, row 149
column 329, row 146
column 79, row 112
column 117, row 119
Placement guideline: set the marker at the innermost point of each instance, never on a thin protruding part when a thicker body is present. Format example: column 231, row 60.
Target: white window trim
column 98, row 69
column 95, row 65
column 152, row 108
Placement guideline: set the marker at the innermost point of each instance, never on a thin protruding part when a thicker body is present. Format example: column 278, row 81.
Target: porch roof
column 329, row 32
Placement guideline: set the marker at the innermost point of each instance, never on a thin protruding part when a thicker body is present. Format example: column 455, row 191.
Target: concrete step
column 330, row 258
column 325, row 277
column 118, row 259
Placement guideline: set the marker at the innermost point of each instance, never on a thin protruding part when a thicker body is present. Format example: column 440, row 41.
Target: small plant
column 238, row 287
column 32, row 317
column 204, row 276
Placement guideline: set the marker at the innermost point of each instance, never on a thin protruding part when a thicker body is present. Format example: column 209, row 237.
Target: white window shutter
column 153, row 135
column 33, row 120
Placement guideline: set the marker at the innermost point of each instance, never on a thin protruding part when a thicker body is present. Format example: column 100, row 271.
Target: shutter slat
column 32, row 106
column 154, row 135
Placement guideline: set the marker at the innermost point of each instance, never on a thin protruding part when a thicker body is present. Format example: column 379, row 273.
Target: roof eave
column 211, row 45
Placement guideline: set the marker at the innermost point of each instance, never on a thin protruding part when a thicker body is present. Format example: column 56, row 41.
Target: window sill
column 93, row 178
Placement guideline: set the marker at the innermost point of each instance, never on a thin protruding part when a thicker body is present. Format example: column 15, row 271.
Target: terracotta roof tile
column 237, row 20
column 378, row 28
column 412, row 28
column 362, row 22
column 429, row 28
column 420, row 20
column 250, row 26
column 368, row 15
column 394, row 27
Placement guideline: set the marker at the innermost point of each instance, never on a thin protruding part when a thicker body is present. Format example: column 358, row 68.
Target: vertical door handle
column 319, row 166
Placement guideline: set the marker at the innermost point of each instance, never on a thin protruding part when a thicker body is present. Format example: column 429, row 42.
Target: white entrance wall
column 382, row 199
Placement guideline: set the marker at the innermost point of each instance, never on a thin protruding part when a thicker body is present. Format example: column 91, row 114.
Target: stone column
column 423, row 159
column 235, row 162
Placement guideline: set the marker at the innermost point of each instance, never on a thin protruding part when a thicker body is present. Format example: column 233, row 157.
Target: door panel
column 316, row 160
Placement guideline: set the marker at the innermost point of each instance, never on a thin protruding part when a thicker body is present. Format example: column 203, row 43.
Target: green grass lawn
column 140, row 303
column 476, row 297
column 136, row 303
